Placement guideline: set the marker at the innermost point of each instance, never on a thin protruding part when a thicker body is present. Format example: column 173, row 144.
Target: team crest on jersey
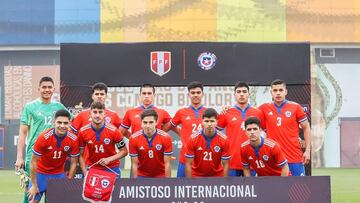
column 266, row 157
column 107, row 120
column 160, row 62
column 158, row 147
column 107, row 141
column 66, row 148
column 216, row 148
column 206, row 60
column 288, row 114
column 105, row 183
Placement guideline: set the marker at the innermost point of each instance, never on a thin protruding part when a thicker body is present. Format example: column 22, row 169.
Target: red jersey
column 207, row 153
column 151, row 152
column 282, row 125
column 100, row 144
column 234, row 122
column 53, row 151
column 190, row 120
column 83, row 118
column 267, row 160
column 132, row 118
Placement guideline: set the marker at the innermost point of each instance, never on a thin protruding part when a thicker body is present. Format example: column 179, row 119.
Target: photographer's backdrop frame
column 172, row 65
column 128, row 65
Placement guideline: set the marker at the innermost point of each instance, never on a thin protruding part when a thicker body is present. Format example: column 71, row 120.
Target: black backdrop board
column 129, row 64
column 202, row 190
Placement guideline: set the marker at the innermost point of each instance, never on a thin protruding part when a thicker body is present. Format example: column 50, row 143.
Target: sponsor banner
column 203, row 190
column 21, row 86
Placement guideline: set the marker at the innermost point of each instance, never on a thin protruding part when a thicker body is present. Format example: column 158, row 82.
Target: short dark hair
column 63, row 113
column 99, row 86
column 195, row 84
column 46, row 79
column 241, row 84
column 97, row 105
column 149, row 112
column 278, row 82
column 252, row 120
column 210, row 112
column 148, row 85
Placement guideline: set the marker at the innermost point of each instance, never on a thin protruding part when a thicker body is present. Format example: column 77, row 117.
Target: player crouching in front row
column 262, row 154
column 49, row 155
column 207, row 150
column 150, row 149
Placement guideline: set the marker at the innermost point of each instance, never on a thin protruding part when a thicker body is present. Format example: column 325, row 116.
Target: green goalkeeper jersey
column 38, row 116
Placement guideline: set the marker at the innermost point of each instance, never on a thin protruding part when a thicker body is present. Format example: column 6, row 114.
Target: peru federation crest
column 160, row 62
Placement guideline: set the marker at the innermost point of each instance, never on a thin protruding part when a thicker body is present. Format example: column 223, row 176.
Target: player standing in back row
column 132, row 118
column 36, row 117
column 282, row 120
column 190, row 119
column 233, row 121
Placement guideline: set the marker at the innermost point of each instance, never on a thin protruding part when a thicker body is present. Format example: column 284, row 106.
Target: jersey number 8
column 151, row 154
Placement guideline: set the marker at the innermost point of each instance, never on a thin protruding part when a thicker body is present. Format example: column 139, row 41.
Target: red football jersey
column 150, row 153
column 282, row 125
column 100, row 144
column 53, row 151
column 190, row 120
column 132, row 118
column 234, row 122
column 267, row 160
column 83, row 118
column 207, row 154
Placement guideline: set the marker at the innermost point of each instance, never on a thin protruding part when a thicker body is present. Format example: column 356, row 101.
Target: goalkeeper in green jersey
column 36, row 117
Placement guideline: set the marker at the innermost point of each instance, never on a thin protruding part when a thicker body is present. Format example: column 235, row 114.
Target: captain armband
column 120, row 144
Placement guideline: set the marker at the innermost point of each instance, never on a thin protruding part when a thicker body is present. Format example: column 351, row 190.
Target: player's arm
column 175, row 122
column 121, row 146
column 134, row 166
column 73, row 165
column 285, row 170
column 245, row 162
column 224, row 109
column 168, row 151
column 189, row 155
column 167, row 126
column 33, row 170
column 167, row 162
column 82, row 161
column 125, row 132
column 188, row 167
column 23, row 131
column 246, row 171
column 225, row 157
column 306, row 129
column 225, row 164
column 74, row 158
